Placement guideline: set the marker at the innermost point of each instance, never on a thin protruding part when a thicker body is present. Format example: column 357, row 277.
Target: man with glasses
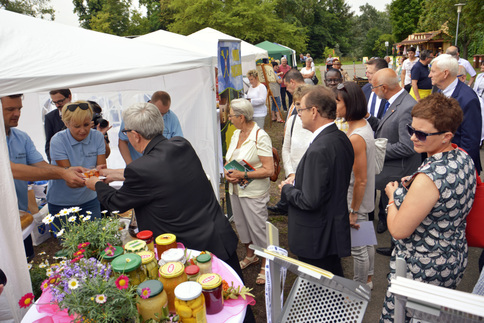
column 375, row 104
column 53, row 121
column 400, row 157
column 333, row 77
column 319, row 228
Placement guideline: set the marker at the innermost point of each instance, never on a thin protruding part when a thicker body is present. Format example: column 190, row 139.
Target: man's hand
column 103, row 130
column 289, row 181
column 91, row 182
column 74, row 177
column 111, row 174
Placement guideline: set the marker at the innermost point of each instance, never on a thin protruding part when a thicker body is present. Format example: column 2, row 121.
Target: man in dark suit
column 53, row 122
column 375, row 104
column 468, row 137
column 319, row 228
column 400, row 157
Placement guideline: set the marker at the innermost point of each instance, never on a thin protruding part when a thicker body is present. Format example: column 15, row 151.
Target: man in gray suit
column 400, row 158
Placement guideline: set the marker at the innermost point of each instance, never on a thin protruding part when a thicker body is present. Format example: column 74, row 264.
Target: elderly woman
column 427, row 210
column 78, row 145
column 308, row 72
column 351, row 105
column 257, row 95
column 249, row 201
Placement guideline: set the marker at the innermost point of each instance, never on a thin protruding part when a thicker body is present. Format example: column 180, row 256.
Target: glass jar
column 212, row 290
column 164, row 242
column 190, row 303
column 193, row 272
column 135, row 246
column 156, row 305
column 130, row 265
column 171, row 275
column 147, row 236
column 173, row 255
column 149, row 264
column 107, row 258
column 204, row 262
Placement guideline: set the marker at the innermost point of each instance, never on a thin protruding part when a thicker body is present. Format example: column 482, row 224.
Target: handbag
column 380, row 151
column 315, row 79
column 275, row 158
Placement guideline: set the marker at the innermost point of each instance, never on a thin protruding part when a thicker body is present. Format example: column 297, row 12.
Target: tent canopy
column 277, row 51
column 250, row 53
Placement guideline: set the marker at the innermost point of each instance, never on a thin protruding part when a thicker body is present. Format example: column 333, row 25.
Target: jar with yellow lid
column 173, row 255
column 149, row 264
column 109, row 254
column 152, row 301
column 204, row 262
column 147, row 236
column 130, row 265
column 193, row 272
column 135, row 246
column 164, row 242
column 190, row 303
column 172, row 274
column 212, row 291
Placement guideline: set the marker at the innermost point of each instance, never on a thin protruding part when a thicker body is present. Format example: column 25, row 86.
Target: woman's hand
column 390, row 189
column 231, row 176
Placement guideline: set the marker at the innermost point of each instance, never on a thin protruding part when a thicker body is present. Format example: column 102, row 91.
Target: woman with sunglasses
column 351, row 105
column 426, row 213
column 78, row 145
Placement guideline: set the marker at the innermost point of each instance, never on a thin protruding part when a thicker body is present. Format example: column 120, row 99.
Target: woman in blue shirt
column 78, row 145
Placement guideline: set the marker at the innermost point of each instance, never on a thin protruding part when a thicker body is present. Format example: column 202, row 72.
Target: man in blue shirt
column 171, row 129
column 26, row 162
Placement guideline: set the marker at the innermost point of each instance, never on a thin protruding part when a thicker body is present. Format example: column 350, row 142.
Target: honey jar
column 190, row 303
column 212, row 291
column 164, row 242
column 149, row 264
column 130, row 265
column 171, row 275
column 156, row 305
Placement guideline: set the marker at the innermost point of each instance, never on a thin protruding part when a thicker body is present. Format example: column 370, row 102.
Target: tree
column 404, row 16
column 379, row 48
column 113, row 18
column 35, row 8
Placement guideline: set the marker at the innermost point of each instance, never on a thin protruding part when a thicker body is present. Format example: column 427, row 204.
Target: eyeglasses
column 125, row 131
column 233, row 115
column 299, row 111
column 375, row 87
column 74, row 106
column 60, row 102
column 334, row 80
column 420, row 135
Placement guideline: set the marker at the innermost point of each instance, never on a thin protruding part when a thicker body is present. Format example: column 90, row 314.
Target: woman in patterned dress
column 427, row 211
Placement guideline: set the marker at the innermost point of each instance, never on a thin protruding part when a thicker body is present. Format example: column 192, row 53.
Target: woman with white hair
column 249, row 190
column 308, row 72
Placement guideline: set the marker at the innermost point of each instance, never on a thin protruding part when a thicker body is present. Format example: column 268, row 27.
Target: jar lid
column 155, row 287
column 126, row 263
column 173, row 254
column 117, row 252
column 210, row 281
column 144, row 235
column 165, row 239
column 192, row 270
column 172, row 269
column 204, row 257
column 146, row 256
column 135, row 246
column 188, row 290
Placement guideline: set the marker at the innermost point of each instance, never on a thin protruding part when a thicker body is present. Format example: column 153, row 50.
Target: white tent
column 38, row 56
column 250, row 53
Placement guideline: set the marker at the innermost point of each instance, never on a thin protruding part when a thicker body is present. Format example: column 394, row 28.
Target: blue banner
column 229, row 66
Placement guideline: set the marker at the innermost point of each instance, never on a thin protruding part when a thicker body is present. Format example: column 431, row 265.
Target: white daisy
column 64, row 212
column 104, row 212
column 75, row 209
column 73, row 283
column 86, row 218
column 48, row 219
column 41, row 253
column 115, row 212
column 29, row 266
column 88, row 212
column 42, row 265
column 72, row 218
column 49, row 272
column 63, row 262
column 60, row 233
column 101, row 299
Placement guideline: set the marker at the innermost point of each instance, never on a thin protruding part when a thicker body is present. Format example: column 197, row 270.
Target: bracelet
column 388, row 205
column 352, row 211
column 245, row 175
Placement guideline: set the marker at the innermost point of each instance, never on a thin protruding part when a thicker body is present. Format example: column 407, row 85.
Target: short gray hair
column 447, row 62
column 243, row 107
column 145, row 119
column 309, row 59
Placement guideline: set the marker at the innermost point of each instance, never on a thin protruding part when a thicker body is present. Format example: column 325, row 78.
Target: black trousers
column 330, row 263
column 283, row 98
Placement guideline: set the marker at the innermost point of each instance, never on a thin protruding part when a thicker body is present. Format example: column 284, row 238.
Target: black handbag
column 315, row 79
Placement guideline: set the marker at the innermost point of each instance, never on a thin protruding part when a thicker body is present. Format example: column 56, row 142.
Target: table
column 218, row 266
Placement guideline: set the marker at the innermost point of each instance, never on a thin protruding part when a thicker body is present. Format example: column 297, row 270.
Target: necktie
column 385, row 109
column 373, row 102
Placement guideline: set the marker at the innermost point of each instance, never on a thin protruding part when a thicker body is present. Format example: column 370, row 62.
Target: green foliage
column 404, row 16
column 113, row 19
column 37, row 276
column 379, row 47
column 34, row 8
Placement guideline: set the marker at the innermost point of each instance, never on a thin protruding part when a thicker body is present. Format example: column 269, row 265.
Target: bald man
column 400, row 158
column 454, row 52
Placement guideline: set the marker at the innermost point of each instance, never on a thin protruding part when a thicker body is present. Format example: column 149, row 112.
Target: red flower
column 26, row 300
column 77, row 259
column 122, row 282
column 79, row 252
column 53, row 279
column 83, row 245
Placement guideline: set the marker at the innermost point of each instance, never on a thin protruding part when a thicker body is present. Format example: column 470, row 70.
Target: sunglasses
column 74, row 106
column 420, row 135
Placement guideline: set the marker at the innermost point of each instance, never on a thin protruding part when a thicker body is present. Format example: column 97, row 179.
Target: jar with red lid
column 213, row 292
column 193, row 272
column 147, row 236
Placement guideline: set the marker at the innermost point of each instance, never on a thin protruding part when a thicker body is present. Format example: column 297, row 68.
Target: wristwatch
column 352, row 211
column 245, row 175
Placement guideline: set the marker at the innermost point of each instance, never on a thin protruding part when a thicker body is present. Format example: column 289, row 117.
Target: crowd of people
column 427, row 184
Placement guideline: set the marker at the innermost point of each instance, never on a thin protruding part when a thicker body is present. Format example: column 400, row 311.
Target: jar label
column 170, row 269
column 208, row 279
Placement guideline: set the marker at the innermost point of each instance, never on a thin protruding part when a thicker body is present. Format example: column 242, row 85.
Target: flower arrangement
column 76, row 229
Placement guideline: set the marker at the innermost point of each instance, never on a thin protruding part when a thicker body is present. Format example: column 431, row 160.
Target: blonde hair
column 78, row 115
column 252, row 73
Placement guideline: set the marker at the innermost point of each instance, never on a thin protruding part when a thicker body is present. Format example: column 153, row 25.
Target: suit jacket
column 170, row 193
column 52, row 124
column 400, row 157
column 372, row 120
column 318, row 211
column 468, row 135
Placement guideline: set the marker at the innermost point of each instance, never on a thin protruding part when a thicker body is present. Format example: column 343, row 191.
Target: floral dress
column 436, row 252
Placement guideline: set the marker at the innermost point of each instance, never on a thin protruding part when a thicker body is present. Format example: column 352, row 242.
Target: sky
column 64, row 9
